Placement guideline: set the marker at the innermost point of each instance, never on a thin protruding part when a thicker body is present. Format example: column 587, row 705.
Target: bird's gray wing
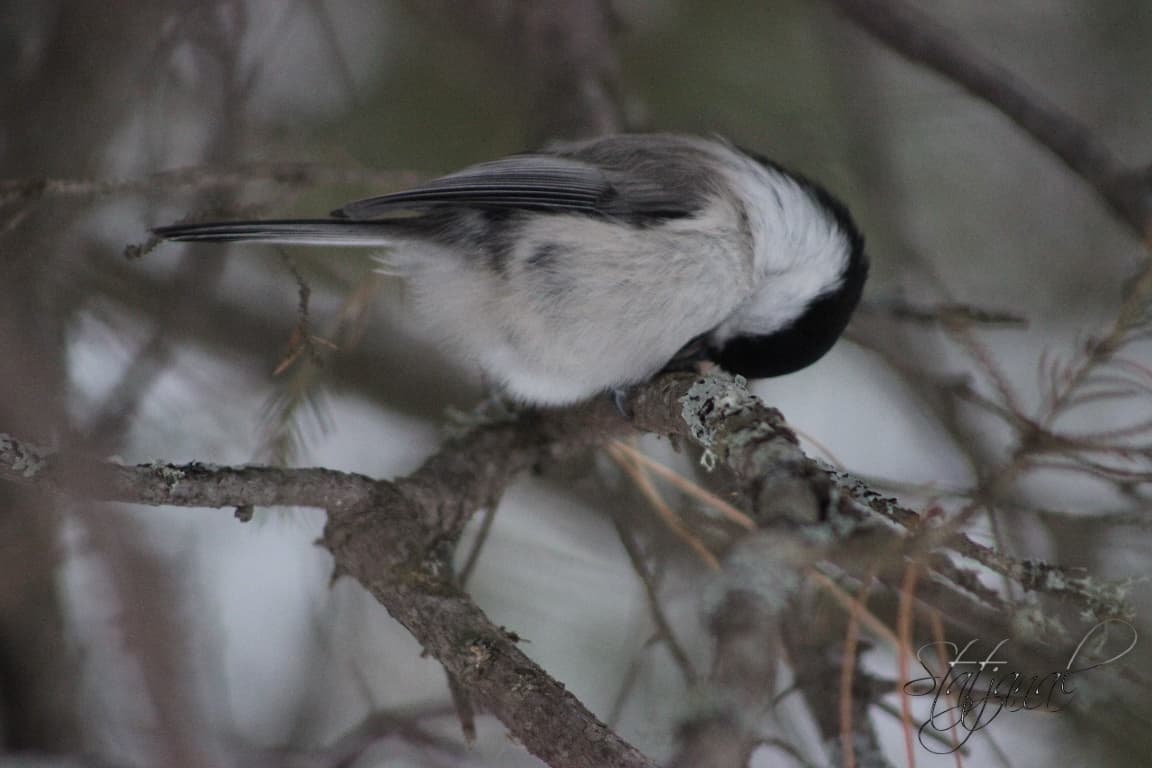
column 539, row 181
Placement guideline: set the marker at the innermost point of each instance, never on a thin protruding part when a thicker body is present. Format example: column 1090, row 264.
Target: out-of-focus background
column 145, row 637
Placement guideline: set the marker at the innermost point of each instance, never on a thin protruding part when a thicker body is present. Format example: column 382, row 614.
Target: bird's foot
column 493, row 410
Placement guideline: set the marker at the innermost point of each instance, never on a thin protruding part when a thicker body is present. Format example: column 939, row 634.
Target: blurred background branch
column 917, row 36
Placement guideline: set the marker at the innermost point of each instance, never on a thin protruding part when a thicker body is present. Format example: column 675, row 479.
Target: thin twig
column 205, row 178
column 663, row 627
column 670, row 518
column 688, row 487
column 904, row 622
column 473, row 556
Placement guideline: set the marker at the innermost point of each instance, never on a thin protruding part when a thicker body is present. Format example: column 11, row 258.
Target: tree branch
column 397, row 539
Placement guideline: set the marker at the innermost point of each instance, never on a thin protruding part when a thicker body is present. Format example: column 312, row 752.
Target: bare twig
column 664, row 631
column 688, row 487
column 648, row 489
column 473, row 556
column 203, row 178
column 950, row 312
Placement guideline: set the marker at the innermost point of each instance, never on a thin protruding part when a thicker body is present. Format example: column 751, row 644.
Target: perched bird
column 588, row 267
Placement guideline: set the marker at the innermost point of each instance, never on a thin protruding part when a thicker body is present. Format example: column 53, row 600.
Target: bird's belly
column 561, row 323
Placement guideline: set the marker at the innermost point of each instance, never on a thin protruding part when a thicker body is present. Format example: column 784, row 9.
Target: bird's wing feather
column 284, row 232
column 626, row 176
column 533, row 182
column 560, row 180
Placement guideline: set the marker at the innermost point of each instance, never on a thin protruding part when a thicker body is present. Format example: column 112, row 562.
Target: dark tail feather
column 286, row 232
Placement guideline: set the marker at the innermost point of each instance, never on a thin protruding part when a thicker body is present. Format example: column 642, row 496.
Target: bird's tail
column 367, row 234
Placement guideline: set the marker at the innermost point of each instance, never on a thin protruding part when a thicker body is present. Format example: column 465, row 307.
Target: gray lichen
column 25, row 459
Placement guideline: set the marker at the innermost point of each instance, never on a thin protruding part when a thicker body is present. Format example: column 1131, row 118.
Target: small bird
column 589, row 267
